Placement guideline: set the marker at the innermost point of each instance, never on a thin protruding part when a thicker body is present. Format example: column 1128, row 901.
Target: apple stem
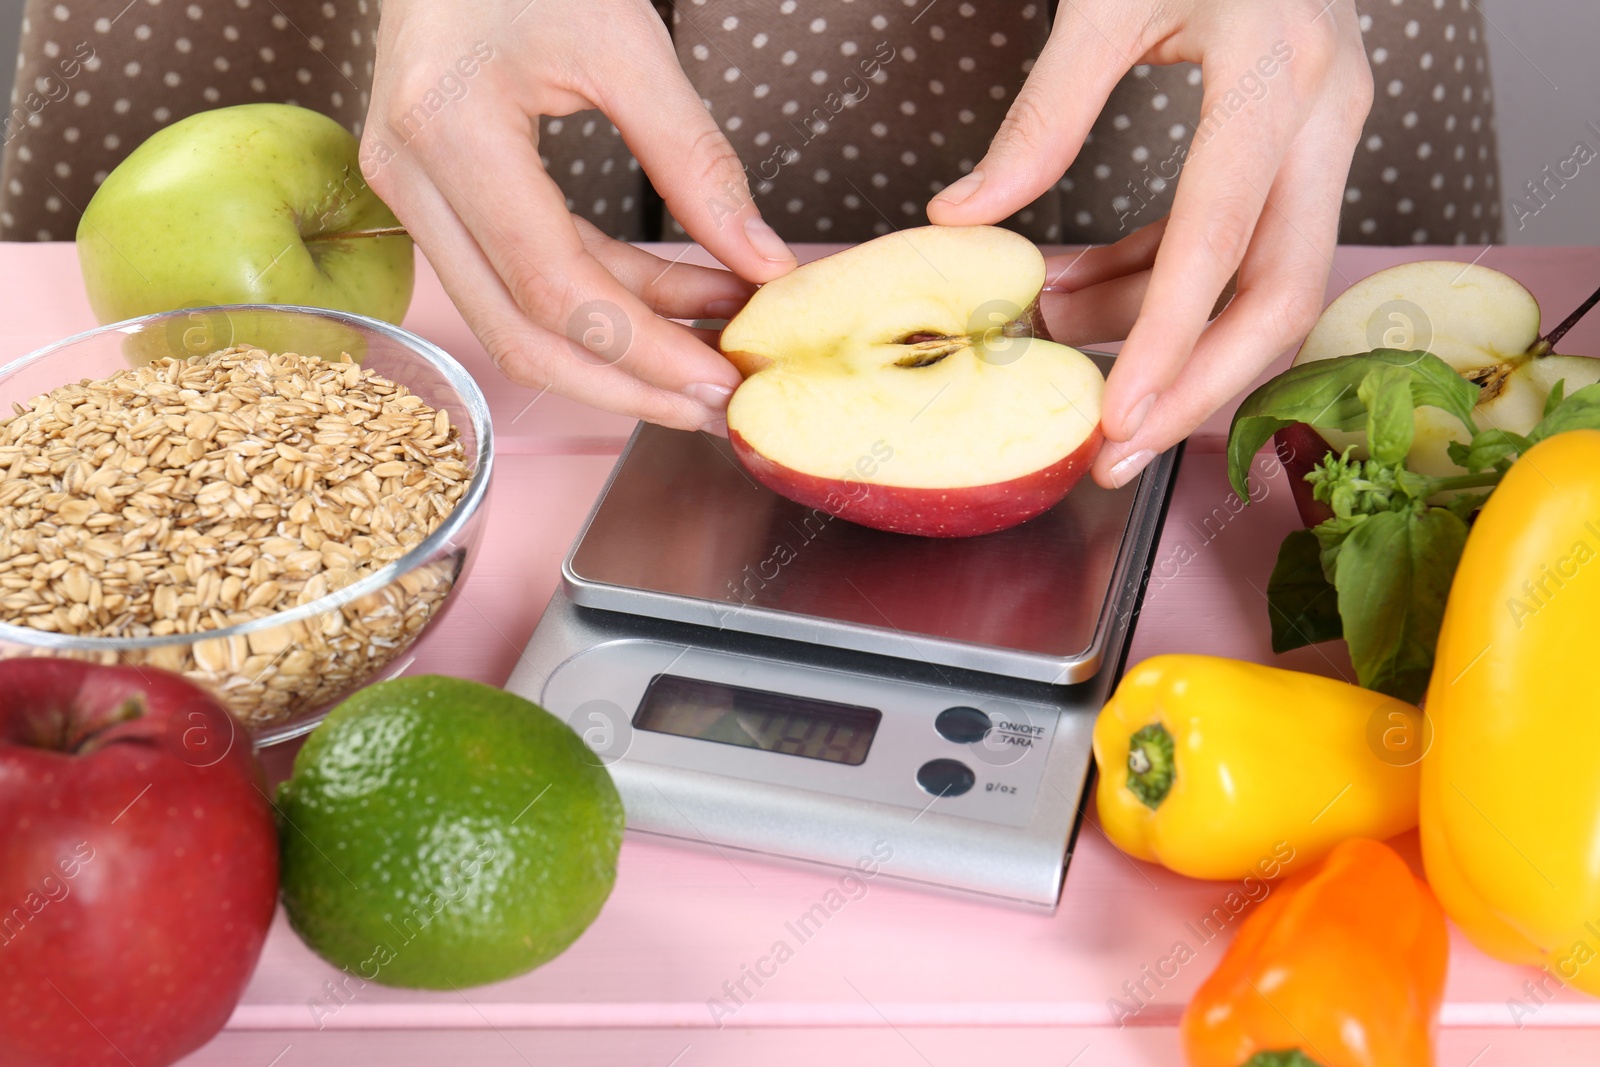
column 345, row 235
column 1549, row 340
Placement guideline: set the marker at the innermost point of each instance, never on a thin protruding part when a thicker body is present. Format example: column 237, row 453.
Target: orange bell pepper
column 1342, row 966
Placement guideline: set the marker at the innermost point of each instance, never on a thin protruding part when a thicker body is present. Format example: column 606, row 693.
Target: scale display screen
column 754, row 718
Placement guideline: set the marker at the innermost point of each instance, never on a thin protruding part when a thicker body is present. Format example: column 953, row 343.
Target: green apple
column 254, row 204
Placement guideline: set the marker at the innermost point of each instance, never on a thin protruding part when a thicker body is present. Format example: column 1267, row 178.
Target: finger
column 1045, row 127
column 1282, row 282
column 533, row 245
column 690, row 163
column 525, row 353
column 1079, row 270
column 675, row 290
column 1095, row 314
column 1219, row 200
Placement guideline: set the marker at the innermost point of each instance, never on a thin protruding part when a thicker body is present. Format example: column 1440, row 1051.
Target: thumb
column 1045, row 126
column 695, row 169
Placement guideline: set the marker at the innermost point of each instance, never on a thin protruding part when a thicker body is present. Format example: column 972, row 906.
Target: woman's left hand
column 1287, row 88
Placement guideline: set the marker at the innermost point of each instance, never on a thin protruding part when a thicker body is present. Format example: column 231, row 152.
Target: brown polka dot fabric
column 96, row 77
column 1427, row 171
column 848, row 114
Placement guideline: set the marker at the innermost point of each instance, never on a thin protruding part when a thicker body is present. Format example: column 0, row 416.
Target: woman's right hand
column 556, row 303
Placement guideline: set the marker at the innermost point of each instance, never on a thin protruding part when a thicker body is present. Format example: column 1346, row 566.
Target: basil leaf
column 1391, row 418
column 1462, row 505
column 1326, row 393
column 1488, row 449
column 1558, row 393
column 1303, row 604
column 1393, row 575
column 1330, row 537
column 1580, row 411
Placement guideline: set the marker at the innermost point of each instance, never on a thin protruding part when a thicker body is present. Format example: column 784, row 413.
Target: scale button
column 963, row 725
column 945, row 777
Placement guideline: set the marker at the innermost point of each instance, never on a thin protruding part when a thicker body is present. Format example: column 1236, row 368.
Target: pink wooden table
column 896, row 976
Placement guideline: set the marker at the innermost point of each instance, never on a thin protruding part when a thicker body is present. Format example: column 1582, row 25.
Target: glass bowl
column 281, row 673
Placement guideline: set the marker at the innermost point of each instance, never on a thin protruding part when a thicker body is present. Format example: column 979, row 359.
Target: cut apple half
column 1481, row 322
column 897, row 384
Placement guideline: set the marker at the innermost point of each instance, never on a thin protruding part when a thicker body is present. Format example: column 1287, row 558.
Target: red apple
column 896, row 384
column 1481, row 322
column 138, row 864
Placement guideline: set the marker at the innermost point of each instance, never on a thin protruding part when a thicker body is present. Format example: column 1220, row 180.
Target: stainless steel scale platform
column 757, row 675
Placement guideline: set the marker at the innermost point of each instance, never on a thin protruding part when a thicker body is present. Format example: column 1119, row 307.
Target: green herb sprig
column 1377, row 573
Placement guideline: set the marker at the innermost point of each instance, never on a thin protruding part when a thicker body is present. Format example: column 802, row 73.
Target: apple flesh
column 896, row 384
column 138, row 864
column 1481, row 322
column 253, row 204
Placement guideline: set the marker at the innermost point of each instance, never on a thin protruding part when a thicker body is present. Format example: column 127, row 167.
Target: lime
column 438, row 833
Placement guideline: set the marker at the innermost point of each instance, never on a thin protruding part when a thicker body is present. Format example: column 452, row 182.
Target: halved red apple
column 1483, row 323
column 897, row 384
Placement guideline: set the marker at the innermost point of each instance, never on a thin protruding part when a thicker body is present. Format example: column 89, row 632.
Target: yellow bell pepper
column 1510, row 797
column 1217, row 768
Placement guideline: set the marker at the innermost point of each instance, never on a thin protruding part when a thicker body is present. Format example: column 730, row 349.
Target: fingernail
column 723, row 309
column 1124, row 470
column 765, row 240
column 961, row 189
column 716, row 426
column 712, row 396
column 1136, row 416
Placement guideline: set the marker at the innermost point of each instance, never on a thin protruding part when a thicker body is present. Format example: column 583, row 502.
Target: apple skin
column 138, row 864
column 968, row 511
column 215, row 209
column 1300, row 448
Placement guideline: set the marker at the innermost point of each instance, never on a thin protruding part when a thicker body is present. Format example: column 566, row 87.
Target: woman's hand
column 1287, row 89
column 555, row 302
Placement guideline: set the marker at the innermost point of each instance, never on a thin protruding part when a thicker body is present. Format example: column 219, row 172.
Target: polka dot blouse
column 848, row 114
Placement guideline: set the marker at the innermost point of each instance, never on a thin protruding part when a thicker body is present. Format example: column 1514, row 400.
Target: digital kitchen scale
column 761, row 676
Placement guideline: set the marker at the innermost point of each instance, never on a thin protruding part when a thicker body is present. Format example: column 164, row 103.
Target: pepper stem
column 1150, row 764
column 1288, row 1057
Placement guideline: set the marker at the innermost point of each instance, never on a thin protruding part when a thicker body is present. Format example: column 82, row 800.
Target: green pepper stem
column 1151, row 764
column 1287, row 1057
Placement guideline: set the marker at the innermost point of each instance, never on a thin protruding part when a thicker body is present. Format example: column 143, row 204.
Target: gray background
column 1545, row 59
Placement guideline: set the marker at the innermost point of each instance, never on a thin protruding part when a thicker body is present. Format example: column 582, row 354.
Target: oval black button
column 945, row 777
column 963, row 725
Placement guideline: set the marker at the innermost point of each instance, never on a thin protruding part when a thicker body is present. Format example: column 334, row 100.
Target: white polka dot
column 81, row 98
column 1374, row 143
column 43, row 235
column 879, row 130
column 1102, row 171
column 1419, row 236
column 63, row 170
column 121, row 106
column 1083, row 218
column 303, row 76
column 1409, row 120
column 194, row 12
column 1177, row 131
column 760, row 91
column 731, row 75
column 936, row 32
column 759, row 40
column 221, row 63
column 1380, row 55
column 1425, row 61
column 1121, row 122
column 909, row 158
column 966, row 116
column 700, row 51
column 997, row 39
column 1140, row 153
column 102, row 25
column 733, row 123
column 731, row 22
column 1352, row 195
column 131, row 69
column 70, row 135
column 907, row 107
column 879, row 22
column 1389, row 175
column 61, row 13
column 789, row 57
column 967, row 11
column 141, row 33
column 819, row 25
column 820, row 175
column 170, row 79
column 1194, row 76
column 936, row 88
column 787, row 7
column 880, row 180
column 850, row 151
column 762, row 138
column 164, row 114
column 791, row 107
column 1424, row 150
column 1159, row 101
column 852, row 201
column 1369, row 225
column 848, row 48
column 1395, row 88
column 824, row 223
column 1404, row 205
column 212, row 95
column 577, row 167
column 258, row 84
column 184, row 45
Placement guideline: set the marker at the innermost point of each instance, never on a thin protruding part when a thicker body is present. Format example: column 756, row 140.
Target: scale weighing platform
column 761, row 676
